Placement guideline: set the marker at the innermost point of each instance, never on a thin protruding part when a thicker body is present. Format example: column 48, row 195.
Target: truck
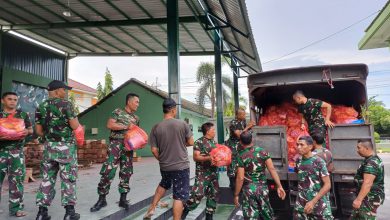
column 337, row 84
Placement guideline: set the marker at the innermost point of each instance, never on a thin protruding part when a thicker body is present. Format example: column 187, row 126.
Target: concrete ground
column 143, row 184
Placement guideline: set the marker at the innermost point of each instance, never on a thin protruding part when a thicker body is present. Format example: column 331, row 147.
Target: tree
column 205, row 75
column 108, row 86
column 378, row 116
column 74, row 104
column 230, row 111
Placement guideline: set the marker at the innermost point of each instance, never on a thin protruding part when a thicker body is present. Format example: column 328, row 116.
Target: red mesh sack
column 79, row 135
column 344, row 115
column 135, row 138
column 11, row 128
column 221, row 155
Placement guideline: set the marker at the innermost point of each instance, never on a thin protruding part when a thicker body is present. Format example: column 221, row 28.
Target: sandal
column 149, row 214
column 20, row 213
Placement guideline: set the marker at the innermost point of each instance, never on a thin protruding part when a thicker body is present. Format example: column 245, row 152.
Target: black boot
column 43, row 214
column 185, row 213
column 70, row 213
column 232, row 183
column 99, row 204
column 123, row 201
column 209, row 216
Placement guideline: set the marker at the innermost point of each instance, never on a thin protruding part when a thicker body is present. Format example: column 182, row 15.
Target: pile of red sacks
column 287, row 114
column 221, row 155
column 11, row 128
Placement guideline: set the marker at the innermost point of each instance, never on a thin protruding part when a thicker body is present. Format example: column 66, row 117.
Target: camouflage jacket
column 205, row 146
column 326, row 155
column 236, row 125
column 372, row 165
column 121, row 116
column 311, row 111
column 54, row 115
column 27, row 123
column 310, row 172
column 252, row 159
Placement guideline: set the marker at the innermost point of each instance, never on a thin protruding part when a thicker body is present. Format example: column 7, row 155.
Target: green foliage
column 378, row 115
column 108, row 86
column 73, row 101
column 377, row 137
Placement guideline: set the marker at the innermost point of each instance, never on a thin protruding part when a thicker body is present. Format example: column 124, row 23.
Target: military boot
column 209, row 216
column 43, row 214
column 70, row 213
column 185, row 213
column 123, row 201
column 99, row 204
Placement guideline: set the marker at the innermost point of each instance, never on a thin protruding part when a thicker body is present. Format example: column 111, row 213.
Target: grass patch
column 383, row 149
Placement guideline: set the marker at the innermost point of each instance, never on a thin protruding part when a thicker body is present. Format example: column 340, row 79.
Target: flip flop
column 148, row 215
column 20, row 213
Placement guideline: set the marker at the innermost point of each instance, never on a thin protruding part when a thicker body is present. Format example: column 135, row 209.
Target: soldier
column 322, row 152
column 119, row 122
column 251, row 177
column 11, row 155
column 206, row 175
column 55, row 121
column 236, row 127
column 369, row 180
column 311, row 111
column 313, row 184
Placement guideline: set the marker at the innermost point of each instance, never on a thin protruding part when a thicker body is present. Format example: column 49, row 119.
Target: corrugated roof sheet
column 91, row 28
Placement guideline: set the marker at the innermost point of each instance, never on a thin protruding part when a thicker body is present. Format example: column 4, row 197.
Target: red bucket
column 135, row 138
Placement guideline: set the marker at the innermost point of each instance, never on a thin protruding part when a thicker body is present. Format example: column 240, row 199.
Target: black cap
column 169, row 103
column 56, row 84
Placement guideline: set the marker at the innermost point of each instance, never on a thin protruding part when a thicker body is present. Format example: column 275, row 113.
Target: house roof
column 184, row 103
column 81, row 87
column 134, row 27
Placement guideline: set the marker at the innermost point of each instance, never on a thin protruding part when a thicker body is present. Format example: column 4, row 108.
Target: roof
column 184, row 103
column 133, row 27
column 377, row 34
column 81, row 87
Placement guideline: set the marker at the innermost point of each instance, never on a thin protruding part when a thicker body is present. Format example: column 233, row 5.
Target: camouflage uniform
column 206, row 178
column 326, row 155
column 12, row 162
column 233, row 143
column 116, row 153
column 311, row 111
column 255, row 203
column 371, row 165
column 310, row 172
column 60, row 151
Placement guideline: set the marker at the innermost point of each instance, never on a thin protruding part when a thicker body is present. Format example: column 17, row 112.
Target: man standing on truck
column 119, row 122
column 311, row 112
column 236, row 127
column 322, row 152
column 369, row 180
column 206, row 175
column 313, row 184
column 251, row 176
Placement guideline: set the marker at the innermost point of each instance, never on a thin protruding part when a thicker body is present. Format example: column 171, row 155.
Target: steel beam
column 218, row 86
column 173, row 53
column 235, row 87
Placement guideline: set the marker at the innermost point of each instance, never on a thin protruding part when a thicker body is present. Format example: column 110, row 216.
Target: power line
column 322, row 39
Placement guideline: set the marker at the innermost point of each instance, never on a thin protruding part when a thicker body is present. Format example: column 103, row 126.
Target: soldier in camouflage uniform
column 369, row 180
column 322, row 152
column 11, row 156
column 206, row 175
column 55, row 121
column 236, row 127
column 251, row 177
column 312, row 201
column 311, row 111
column 119, row 122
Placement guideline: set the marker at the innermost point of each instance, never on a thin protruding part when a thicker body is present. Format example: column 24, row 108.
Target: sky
column 279, row 28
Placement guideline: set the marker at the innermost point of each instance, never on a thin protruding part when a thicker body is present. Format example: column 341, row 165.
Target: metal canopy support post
column 173, row 53
column 235, row 87
column 218, row 86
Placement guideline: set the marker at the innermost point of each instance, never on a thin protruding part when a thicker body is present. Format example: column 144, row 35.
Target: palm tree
column 205, row 75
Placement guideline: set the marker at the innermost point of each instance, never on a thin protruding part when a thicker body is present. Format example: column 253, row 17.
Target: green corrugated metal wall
column 149, row 111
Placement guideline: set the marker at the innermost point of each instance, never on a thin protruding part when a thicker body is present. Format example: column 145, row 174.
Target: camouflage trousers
column 68, row 176
column 255, row 202
column 318, row 128
column 206, row 184
column 232, row 168
column 303, row 216
column 12, row 162
column 116, row 155
column 367, row 210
